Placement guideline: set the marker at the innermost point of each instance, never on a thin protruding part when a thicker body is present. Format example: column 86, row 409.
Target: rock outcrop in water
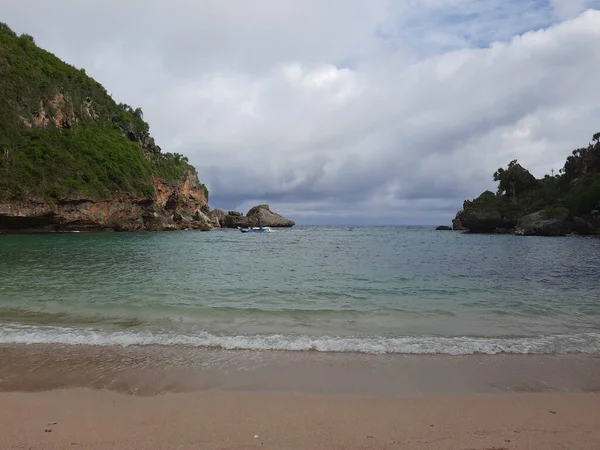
column 551, row 206
column 260, row 215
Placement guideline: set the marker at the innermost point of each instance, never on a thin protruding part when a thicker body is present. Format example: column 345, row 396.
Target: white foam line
column 586, row 343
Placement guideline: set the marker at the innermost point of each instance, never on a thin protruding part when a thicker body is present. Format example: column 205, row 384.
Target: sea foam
column 584, row 343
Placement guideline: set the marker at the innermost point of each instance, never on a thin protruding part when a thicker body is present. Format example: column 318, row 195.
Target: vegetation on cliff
column 62, row 135
column 573, row 193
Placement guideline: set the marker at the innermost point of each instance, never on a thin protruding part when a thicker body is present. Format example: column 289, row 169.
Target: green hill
column 62, row 136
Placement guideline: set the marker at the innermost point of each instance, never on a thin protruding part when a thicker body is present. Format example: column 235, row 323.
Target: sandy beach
column 57, row 397
column 81, row 418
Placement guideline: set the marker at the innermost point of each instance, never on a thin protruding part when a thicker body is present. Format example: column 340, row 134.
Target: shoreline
column 153, row 369
column 158, row 397
column 83, row 418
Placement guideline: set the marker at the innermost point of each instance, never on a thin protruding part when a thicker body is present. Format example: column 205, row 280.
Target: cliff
column 72, row 158
column 568, row 202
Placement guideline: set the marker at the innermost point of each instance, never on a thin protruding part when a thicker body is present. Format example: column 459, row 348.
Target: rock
column 488, row 212
column 260, row 215
column 548, row 222
column 457, row 225
column 266, row 218
column 485, row 221
column 234, row 213
column 199, row 216
column 217, row 217
column 580, row 226
column 595, row 218
column 443, row 228
column 170, row 208
column 586, row 226
column 233, row 221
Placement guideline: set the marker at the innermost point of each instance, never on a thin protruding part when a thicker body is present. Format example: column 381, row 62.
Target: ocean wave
column 585, row 343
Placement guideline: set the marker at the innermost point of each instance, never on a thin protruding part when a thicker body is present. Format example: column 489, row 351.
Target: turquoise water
column 366, row 289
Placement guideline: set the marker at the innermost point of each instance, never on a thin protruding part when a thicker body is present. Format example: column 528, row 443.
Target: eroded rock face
column 260, row 215
column 545, row 223
column 480, row 221
column 173, row 207
column 217, row 217
column 266, row 218
column 457, row 225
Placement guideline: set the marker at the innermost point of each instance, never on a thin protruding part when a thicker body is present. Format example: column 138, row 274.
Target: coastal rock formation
column 553, row 222
column 217, row 217
column 71, row 158
column 260, row 215
column 443, row 228
column 485, row 221
column 554, row 205
column 266, row 218
column 174, row 206
column 457, row 224
column 588, row 224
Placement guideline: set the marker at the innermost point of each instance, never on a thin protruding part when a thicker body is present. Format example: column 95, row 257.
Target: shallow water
column 367, row 289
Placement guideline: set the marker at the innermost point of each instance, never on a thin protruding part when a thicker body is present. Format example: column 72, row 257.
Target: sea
column 371, row 290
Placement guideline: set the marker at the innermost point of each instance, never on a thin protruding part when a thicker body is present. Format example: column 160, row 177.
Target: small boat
column 255, row 230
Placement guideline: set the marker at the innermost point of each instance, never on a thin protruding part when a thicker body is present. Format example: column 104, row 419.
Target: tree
column 514, row 181
column 27, row 38
column 5, row 29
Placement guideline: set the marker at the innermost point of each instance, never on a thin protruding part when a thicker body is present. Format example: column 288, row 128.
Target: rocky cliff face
column 174, row 206
column 71, row 158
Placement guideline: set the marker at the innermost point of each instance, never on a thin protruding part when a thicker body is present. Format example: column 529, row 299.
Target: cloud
column 567, row 9
column 343, row 111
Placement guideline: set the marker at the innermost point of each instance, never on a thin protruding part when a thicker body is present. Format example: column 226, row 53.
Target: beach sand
column 170, row 397
column 83, row 418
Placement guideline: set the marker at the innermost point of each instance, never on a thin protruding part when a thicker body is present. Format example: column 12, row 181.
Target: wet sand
column 150, row 370
column 151, row 397
column 81, row 418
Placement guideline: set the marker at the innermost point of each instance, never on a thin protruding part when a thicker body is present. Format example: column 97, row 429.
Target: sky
column 342, row 111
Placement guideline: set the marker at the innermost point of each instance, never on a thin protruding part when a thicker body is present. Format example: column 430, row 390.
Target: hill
column 72, row 158
column 555, row 205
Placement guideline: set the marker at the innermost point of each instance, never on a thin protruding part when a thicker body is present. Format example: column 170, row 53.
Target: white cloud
column 332, row 110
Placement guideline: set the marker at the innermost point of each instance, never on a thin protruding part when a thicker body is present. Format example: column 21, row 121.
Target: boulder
column 457, row 225
column 266, row 218
column 234, row 213
column 595, row 218
column 217, row 217
column 548, row 222
column 232, row 221
column 260, row 215
column 485, row 221
column 443, row 228
column 585, row 226
column 202, row 219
